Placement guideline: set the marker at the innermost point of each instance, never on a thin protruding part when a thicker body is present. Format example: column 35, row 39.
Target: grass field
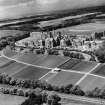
column 69, row 64
column 43, row 60
column 91, row 82
column 84, row 66
column 33, row 73
column 4, row 61
column 49, row 75
column 100, row 70
column 63, row 78
column 12, row 68
column 29, row 58
column 51, row 61
column 11, row 99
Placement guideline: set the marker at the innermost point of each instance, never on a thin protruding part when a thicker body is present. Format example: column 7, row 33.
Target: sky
column 19, row 8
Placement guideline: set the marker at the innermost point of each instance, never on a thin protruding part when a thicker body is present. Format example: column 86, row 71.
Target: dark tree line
column 38, row 98
column 73, row 55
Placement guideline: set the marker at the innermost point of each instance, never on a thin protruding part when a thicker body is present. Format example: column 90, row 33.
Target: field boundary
column 44, row 75
column 86, row 74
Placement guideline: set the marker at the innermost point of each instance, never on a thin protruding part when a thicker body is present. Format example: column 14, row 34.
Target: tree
column 44, row 97
column 78, row 91
column 13, row 82
column 20, row 92
column 53, row 99
column 68, row 88
column 102, row 93
column 62, row 89
column 96, row 92
column 7, row 79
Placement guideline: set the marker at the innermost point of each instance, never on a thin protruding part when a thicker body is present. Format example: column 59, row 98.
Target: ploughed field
column 69, row 64
column 78, row 65
column 41, row 66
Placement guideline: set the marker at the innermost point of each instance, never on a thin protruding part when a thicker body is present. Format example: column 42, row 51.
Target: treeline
column 7, row 40
column 49, row 51
column 73, row 55
column 32, row 84
column 39, row 98
column 67, row 53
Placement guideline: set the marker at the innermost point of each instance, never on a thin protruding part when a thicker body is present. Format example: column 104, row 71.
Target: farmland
column 32, row 73
column 72, row 69
column 84, row 66
column 91, row 82
column 49, row 61
column 69, row 64
column 12, row 68
column 63, row 78
column 49, row 75
column 5, row 61
column 100, row 70
column 29, row 58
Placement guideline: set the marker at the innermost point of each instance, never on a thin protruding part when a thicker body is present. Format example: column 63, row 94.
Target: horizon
column 10, row 9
